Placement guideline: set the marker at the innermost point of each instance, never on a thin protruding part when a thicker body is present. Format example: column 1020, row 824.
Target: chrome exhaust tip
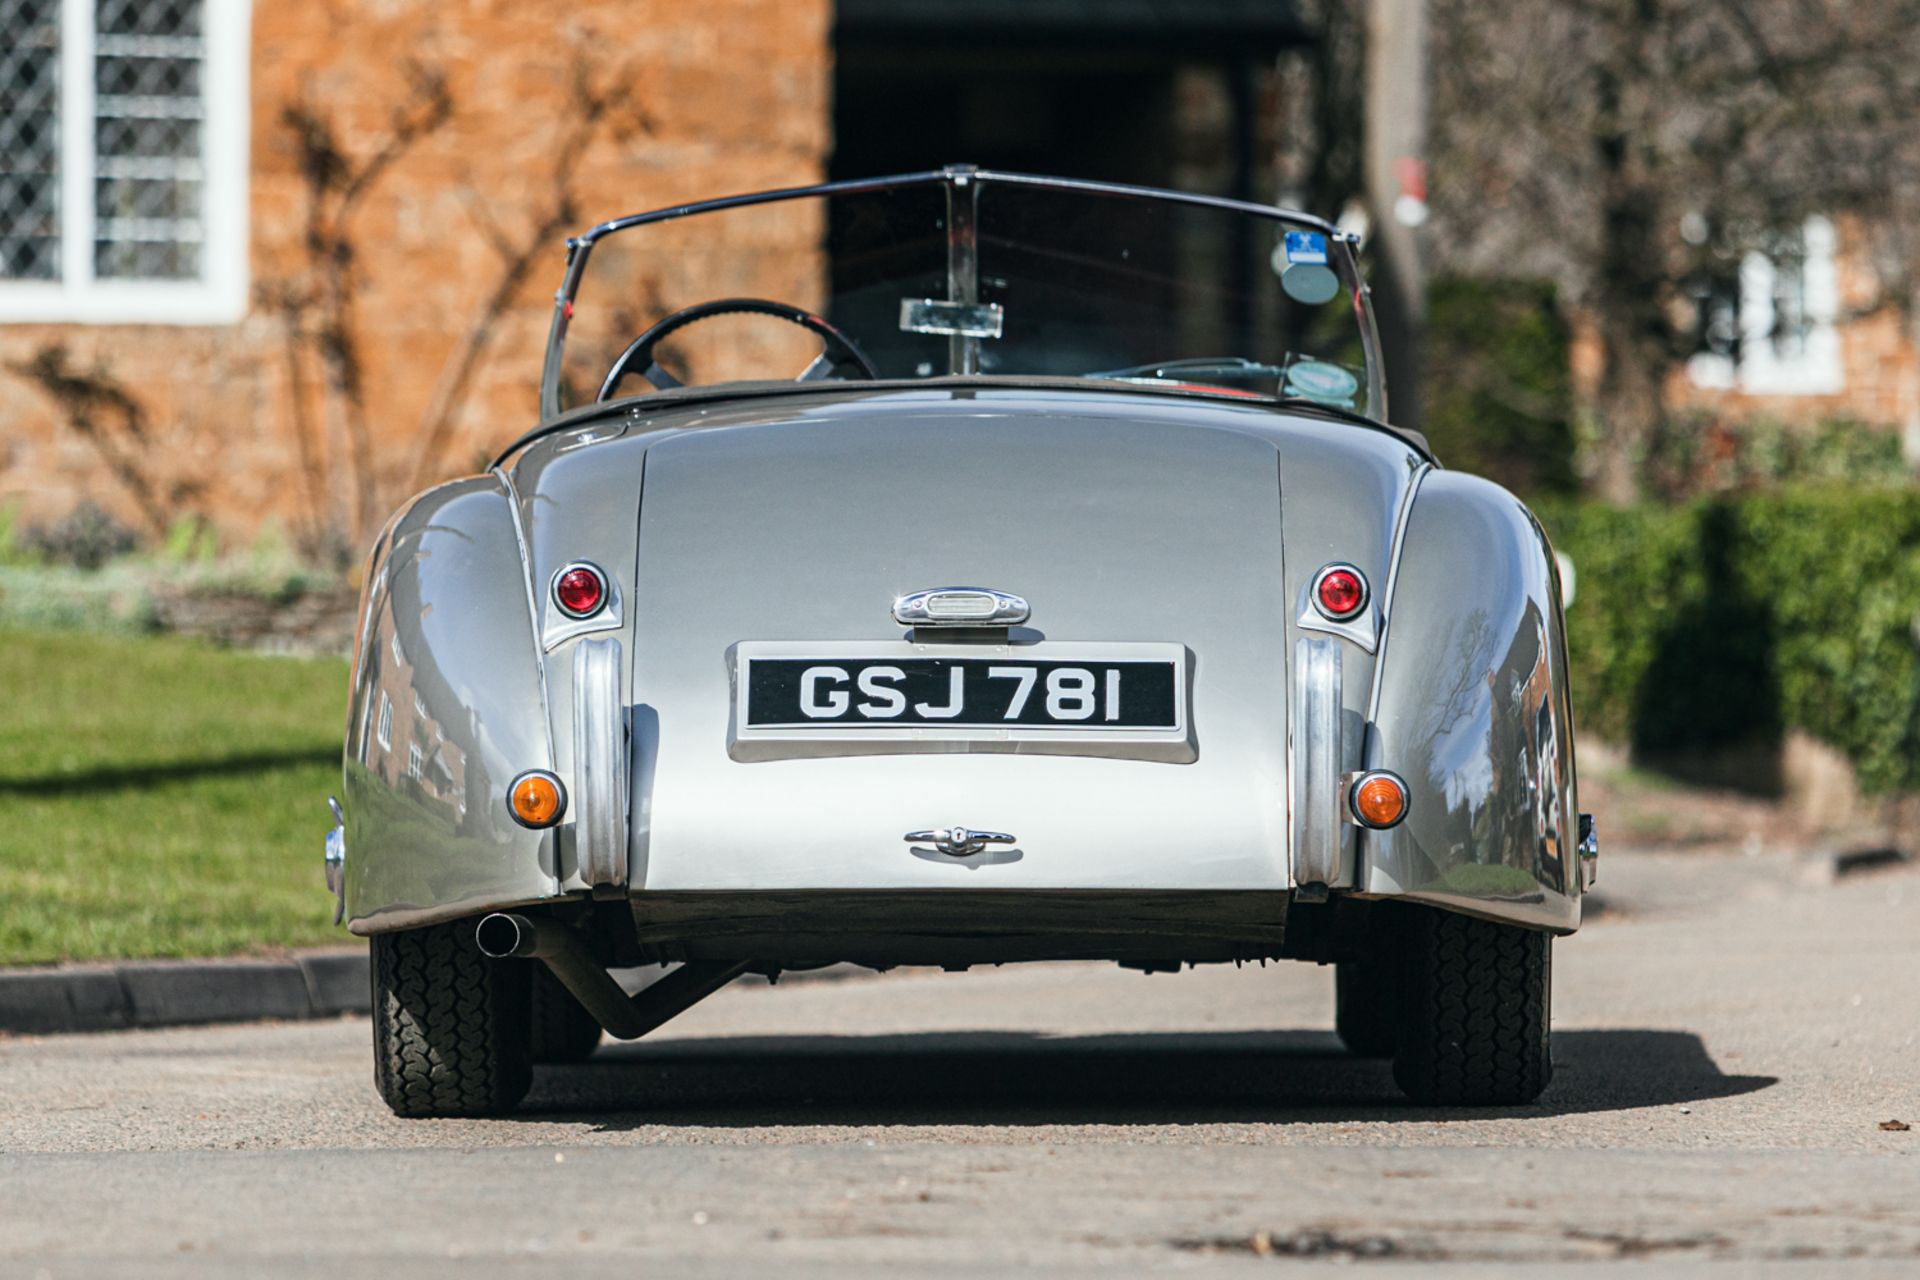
column 505, row 936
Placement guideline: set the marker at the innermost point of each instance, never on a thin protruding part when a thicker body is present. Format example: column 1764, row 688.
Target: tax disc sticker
column 1318, row 380
column 1309, row 282
column 1306, row 246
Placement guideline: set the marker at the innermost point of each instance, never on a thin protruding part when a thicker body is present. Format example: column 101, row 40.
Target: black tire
column 451, row 1028
column 1366, row 1005
column 563, row 1030
column 1476, row 1000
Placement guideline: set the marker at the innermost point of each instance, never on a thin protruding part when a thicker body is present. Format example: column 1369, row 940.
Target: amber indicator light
column 1380, row 800
column 537, row 799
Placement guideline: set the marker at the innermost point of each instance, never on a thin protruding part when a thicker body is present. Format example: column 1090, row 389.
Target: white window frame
column 1817, row 368
column 220, row 295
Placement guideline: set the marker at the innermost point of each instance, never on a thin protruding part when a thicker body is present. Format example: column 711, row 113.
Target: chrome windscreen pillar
column 1317, row 765
column 599, row 765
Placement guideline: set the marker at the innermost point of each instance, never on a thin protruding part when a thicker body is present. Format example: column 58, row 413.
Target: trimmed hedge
column 1735, row 618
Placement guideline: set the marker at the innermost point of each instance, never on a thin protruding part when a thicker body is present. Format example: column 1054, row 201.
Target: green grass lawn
column 160, row 797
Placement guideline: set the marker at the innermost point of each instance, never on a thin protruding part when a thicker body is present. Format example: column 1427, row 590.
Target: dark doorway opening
column 1174, row 93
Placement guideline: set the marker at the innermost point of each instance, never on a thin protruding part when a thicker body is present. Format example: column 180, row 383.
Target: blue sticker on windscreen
column 1308, row 247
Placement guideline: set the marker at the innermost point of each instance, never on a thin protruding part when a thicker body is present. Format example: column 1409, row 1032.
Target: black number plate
column 961, row 693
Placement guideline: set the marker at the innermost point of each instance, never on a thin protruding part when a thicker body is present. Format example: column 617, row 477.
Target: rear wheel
column 451, row 1028
column 563, row 1030
column 1476, row 998
column 1366, row 1005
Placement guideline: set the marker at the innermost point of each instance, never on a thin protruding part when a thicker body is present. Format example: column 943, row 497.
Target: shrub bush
column 1732, row 618
column 1498, row 399
column 1699, row 452
column 85, row 538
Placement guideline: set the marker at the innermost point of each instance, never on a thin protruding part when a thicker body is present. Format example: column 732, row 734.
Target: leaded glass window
column 123, row 159
column 147, row 140
column 30, row 140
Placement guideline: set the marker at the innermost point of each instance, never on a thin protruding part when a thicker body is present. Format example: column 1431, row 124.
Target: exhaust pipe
column 505, row 936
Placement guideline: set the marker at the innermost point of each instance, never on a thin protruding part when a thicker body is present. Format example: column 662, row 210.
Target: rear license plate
column 1109, row 691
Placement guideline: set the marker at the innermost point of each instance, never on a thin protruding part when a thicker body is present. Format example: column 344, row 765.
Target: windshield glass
column 969, row 273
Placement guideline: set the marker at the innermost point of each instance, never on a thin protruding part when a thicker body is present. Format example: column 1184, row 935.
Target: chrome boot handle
column 958, row 841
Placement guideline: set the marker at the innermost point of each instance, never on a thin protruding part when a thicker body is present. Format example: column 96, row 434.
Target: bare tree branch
column 319, row 306
column 100, row 409
column 594, row 107
column 1570, row 138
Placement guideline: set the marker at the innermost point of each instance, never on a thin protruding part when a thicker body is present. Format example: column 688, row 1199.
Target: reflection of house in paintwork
column 406, row 741
column 1528, row 744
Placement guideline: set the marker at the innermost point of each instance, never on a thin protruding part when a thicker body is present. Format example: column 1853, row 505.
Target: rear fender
column 448, row 704
column 1471, row 707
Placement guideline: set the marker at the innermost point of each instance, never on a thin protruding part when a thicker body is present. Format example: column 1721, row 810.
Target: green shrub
column 1699, row 452
column 1736, row 618
column 1498, row 394
column 86, row 538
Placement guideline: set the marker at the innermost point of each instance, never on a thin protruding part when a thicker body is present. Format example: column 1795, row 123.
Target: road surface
column 1731, row 1034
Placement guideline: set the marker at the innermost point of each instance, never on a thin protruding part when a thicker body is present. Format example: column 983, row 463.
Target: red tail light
column 580, row 590
column 1340, row 592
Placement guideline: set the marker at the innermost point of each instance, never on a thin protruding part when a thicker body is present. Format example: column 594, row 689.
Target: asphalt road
column 1730, row 1035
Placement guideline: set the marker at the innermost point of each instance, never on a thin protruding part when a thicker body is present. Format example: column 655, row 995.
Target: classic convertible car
column 1076, row 600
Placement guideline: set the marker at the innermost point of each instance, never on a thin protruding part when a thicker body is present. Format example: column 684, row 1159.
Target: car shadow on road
column 999, row 1078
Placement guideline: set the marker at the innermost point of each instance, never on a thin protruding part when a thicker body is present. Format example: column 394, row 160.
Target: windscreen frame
column 963, row 183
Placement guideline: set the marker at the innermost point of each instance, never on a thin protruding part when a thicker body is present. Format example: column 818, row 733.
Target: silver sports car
column 948, row 569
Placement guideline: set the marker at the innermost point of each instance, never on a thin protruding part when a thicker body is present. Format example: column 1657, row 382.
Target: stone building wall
column 253, row 424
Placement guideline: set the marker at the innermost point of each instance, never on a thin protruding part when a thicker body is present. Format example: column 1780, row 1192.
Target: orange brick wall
column 727, row 95
column 1879, row 364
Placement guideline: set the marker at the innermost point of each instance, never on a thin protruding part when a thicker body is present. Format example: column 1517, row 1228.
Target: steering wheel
column 838, row 355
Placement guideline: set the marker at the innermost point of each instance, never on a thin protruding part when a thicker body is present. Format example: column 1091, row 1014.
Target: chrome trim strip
column 1314, row 751
column 600, row 762
column 1385, row 597
column 533, row 619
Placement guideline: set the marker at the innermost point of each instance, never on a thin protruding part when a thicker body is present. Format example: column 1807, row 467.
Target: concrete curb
column 185, row 993
column 171, row 993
